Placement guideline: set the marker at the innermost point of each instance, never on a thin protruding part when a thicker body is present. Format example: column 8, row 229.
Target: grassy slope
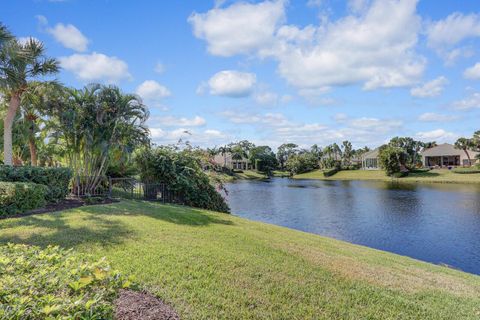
column 210, row 265
column 442, row 176
column 247, row 175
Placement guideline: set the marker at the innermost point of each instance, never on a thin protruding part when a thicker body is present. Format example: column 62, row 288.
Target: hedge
column 18, row 197
column 55, row 283
column 329, row 172
column 56, row 179
column 466, row 170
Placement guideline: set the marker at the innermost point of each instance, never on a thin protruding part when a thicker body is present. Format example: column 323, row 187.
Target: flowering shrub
column 54, row 283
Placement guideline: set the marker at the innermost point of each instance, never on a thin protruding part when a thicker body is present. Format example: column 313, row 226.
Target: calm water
column 435, row 222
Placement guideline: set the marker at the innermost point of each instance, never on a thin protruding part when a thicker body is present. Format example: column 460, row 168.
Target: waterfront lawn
column 211, row 265
column 432, row 176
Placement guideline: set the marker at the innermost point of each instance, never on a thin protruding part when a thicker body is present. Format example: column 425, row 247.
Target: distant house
column 370, row 160
column 226, row 160
column 446, row 155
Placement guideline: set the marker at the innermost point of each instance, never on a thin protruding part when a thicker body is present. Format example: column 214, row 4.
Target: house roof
column 445, row 149
column 371, row 154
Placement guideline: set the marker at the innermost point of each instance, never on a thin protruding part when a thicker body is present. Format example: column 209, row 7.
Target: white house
column 446, row 155
column 226, row 160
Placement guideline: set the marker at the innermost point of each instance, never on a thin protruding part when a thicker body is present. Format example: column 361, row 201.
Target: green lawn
column 210, row 265
column 441, row 176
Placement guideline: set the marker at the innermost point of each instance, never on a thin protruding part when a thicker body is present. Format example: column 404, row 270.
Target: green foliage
column 300, row 163
column 18, row 197
column 264, row 159
column 182, row 172
column 330, row 172
column 54, row 283
column 466, row 170
column 391, row 159
column 97, row 124
column 56, row 179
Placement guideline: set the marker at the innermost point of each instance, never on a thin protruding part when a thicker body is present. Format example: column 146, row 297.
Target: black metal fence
column 127, row 188
column 133, row 189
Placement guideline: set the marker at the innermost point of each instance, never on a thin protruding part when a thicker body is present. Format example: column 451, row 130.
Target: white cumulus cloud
column 470, row 102
column 232, row 83
column 438, row 135
column 430, row 89
column 69, row 36
column 374, row 47
column 171, row 121
column 472, row 73
column 241, row 28
column 436, row 117
column 151, row 90
column 96, row 67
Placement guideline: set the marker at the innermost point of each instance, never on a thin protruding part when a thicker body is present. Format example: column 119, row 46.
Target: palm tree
column 464, row 144
column 20, row 63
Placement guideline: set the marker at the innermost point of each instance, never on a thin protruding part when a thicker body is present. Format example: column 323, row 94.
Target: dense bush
column 56, row 179
column 303, row 162
column 55, row 284
column 182, row 172
column 466, row 170
column 18, row 197
column 391, row 159
column 329, row 172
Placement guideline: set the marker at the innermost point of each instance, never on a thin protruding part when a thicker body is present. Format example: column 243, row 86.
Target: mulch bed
column 133, row 305
column 62, row 205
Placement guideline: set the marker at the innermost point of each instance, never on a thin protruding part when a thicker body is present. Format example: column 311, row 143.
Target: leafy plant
column 54, row 283
column 57, row 180
column 391, row 159
column 18, row 197
column 182, row 172
column 300, row 163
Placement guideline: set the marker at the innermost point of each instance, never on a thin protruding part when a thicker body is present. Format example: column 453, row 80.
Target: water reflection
column 439, row 223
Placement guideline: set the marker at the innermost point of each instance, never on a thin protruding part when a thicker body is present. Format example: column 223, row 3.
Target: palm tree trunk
column 468, row 156
column 33, row 151
column 7, row 129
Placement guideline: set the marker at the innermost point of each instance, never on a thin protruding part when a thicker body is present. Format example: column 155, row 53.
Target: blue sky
column 305, row 71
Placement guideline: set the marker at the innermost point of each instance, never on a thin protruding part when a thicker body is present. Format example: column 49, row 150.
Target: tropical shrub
column 18, row 197
column 56, row 179
column 391, row 159
column 182, row 172
column 54, row 283
column 300, row 163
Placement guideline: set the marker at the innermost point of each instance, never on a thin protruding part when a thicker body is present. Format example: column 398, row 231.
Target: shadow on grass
column 64, row 229
column 102, row 224
column 169, row 213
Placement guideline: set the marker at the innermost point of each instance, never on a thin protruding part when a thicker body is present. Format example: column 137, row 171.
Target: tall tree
column 19, row 64
column 284, row 152
column 464, row 144
column 347, row 153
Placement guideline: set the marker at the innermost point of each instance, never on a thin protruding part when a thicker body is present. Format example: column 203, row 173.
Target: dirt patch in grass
column 132, row 305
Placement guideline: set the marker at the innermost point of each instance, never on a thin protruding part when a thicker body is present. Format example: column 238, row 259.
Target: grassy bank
column 440, row 176
column 209, row 265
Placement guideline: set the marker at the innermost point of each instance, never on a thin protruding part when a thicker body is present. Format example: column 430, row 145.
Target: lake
column 438, row 223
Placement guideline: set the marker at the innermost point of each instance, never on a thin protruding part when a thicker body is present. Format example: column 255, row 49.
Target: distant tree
column 347, row 152
column 391, row 159
column 285, row 151
column 465, row 144
column 302, row 162
column 264, row 159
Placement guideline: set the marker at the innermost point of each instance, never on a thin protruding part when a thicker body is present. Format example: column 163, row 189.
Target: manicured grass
column 210, row 265
column 441, row 176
